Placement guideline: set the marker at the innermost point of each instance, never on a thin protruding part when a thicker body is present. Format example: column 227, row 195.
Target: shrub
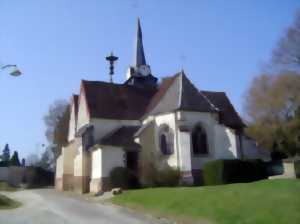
column 168, row 177
column 123, row 177
column 213, row 172
column 233, row 171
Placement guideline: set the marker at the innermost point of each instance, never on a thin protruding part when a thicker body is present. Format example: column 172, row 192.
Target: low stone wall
column 289, row 170
column 4, row 173
column 13, row 175
column 33, row 176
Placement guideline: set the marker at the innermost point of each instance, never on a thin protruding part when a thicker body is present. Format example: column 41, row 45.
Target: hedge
column 297, row 168
column 233, row 171
column 124, row 178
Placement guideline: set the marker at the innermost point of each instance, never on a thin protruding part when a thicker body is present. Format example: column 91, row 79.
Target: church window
column 199, row 141
column 166, row 139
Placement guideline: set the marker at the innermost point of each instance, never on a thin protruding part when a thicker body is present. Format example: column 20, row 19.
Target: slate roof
column 191, row 98
column 126, row 102
column 116, row 101
column 185, row 97
column 228, row 115
column 122, row 137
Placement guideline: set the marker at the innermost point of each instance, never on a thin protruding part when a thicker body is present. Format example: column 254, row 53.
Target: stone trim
column 81, row 184
column 59, row 184
column 198, row 177
column 186, row 178
column 68, row 182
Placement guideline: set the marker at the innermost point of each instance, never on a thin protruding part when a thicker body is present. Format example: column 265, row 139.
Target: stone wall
column 13, row 174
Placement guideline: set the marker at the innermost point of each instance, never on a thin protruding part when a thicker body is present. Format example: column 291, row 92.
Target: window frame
column 165, row 130
column 203, row 134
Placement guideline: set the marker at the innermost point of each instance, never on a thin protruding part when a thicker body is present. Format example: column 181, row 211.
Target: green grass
column 6, row 187
column 7, row 203
column 262, row 202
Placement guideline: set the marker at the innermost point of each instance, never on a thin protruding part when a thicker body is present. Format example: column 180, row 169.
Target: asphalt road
column 45, row 206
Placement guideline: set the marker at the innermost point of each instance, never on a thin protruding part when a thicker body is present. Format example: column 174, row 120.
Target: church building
column 112, row 124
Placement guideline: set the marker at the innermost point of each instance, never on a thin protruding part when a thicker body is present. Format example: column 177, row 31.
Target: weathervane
column 111, row 58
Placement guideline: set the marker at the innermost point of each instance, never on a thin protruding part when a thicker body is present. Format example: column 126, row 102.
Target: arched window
column 166, row 140
column 199, row 141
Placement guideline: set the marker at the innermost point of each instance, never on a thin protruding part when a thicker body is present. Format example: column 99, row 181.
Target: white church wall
column 68, row 155
column 226, row 143
column 72, row 124
column 83, row 117
column 96, row 163
column 222, row 141
column 167, row 119
column 78, row 171
column 171, row 98
column 206, row 120
column 103, row 127
column 59, row 167
column 184, row 153
column 111, row 157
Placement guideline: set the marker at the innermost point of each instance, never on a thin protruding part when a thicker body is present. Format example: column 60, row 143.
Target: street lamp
column 14, row 71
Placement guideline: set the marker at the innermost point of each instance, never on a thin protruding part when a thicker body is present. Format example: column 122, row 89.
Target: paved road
column 46, row 206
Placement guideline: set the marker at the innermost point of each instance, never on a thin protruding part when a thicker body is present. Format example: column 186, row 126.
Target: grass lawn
column 262, row 202
column 6, row 202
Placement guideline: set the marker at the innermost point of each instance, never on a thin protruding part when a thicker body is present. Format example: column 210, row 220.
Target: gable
column 83, row 113
column 167, row 97
column 73, row 117
column 178, row 93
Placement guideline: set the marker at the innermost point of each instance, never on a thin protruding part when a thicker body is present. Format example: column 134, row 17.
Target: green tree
column 14, row 161
column 5, row 153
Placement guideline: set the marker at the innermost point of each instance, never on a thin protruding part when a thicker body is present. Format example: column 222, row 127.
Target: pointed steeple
column 139, row 57
column 139, row 74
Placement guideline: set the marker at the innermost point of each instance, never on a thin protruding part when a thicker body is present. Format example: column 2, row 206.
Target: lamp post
column 14, row 69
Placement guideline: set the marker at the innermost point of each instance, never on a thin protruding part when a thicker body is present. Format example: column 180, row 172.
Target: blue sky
column 221, row 45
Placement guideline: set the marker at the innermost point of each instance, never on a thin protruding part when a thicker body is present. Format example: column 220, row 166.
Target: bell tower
column 140, row 72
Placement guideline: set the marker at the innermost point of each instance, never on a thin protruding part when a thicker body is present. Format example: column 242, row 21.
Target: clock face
column 144, row 70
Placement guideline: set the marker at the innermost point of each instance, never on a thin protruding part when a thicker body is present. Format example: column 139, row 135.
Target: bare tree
column 32, row 160
column 287, row 52
column 270, row 103
column 57, row 120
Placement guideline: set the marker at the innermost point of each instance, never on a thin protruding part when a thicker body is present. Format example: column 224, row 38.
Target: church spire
column 139, row 74
column 139, row 57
